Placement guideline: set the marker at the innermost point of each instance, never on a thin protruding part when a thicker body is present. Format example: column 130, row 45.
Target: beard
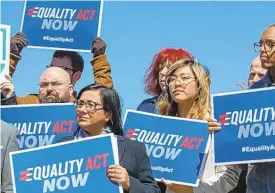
column 54, row 98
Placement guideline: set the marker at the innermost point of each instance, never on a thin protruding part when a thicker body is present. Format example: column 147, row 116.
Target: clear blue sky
column 219, row 34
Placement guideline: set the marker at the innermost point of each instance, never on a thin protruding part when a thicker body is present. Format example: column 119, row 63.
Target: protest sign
column 176, row 147
column 77, row 166
column 66, row 25
column 40, row 124
column 248, row 126
column 4, row 50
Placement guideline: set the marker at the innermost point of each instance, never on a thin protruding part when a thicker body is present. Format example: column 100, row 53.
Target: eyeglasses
column 54, row 84
column 268, row 45
column 90, row 105
column 184, row 80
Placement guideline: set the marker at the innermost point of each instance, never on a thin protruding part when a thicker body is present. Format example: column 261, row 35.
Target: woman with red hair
column 154, row 79
column 170, row 61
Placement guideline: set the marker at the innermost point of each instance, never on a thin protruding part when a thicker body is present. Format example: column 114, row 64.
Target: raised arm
column 17, row 43
column 100, row 64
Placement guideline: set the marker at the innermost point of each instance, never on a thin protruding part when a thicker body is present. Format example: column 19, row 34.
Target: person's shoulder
column 32, row 95
column 7, row 129
column 150, row 100
column 147, row 104
column 28, row 99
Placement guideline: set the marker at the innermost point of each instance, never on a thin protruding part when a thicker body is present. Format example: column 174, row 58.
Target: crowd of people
column 179, row 86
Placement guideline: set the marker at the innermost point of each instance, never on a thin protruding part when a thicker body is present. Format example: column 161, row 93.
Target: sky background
column 219, row 34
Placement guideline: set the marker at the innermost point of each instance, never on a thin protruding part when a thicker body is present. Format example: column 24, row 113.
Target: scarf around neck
column 81, row 133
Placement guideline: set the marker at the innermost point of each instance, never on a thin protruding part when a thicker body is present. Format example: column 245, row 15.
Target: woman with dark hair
column 106, row 106
column 154, row 79
column 99, row 112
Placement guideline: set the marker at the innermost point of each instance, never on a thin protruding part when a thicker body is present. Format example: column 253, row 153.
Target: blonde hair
column 201, row 108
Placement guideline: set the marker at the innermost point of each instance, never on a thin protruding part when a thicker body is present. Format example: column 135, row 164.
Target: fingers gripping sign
column 6, row 87
column 213, row 125
column 118, row 174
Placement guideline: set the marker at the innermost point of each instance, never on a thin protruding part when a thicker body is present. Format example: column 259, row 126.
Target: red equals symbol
column 23, row 175
column 222, row 119
column 130, row 133
column 31, row 12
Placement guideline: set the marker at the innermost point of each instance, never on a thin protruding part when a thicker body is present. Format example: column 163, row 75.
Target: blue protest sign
column 78, row 166
column 176, row 147
column 248, row 126
column 4, row 50
column 66, row 25
column 41, row 124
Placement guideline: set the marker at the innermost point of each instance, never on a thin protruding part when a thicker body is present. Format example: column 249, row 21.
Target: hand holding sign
column 56, row 169
column 118, row 174
column 213, row 125
column 6, row 87
column 62, row 25
column 17, row 43
column 98, row 47
column 168, row 145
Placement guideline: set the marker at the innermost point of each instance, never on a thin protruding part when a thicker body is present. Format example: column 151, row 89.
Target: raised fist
column 98, row 47
column 18, row 42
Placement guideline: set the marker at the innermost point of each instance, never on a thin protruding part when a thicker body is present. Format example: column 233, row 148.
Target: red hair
column 169, row 55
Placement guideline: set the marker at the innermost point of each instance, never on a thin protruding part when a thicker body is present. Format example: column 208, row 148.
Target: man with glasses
column 55, row 86
column 261, row 178
column 266, row 47
column 73, row 64
column 69, row 61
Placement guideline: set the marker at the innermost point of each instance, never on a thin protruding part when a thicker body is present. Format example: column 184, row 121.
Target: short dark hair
column 76, row 58
column 111, row 103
